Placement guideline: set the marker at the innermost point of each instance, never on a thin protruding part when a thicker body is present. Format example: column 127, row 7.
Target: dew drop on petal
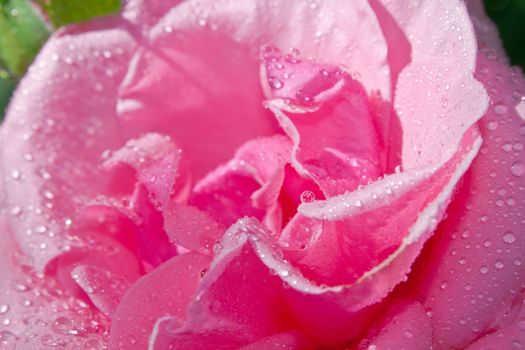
column 307, row 196
column 509, row 237
column 517, row 169
column 7, row 340
column 500, row 109
column 275, row 83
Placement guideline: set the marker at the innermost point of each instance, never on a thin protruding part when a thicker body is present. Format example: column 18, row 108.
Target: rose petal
column 56, row 134
column 436, row 93
column 481, row 243
column 510, row 335
column 153, row 242
column 248, row 185
column 230, row 312
column 191, row 228
column 164, row 292
column 36, row 312
column 330, row 32
column 405, row 326
column 104, row 288
column 156, row 159
column 329, row 120
column 202, row 113
column 355, row 235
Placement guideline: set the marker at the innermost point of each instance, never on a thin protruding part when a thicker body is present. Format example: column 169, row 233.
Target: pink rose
column 267, row 175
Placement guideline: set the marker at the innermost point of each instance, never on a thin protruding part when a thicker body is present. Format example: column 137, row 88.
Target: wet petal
column 478, row 251
column 248, row 185
column 166, row 291
column 192, row 228
column 327, row 115
column 509, row 335
column 436, row 93
column 104, row 288
column 156, row 160
column 55, row 135
column 229, row 311
column 405, row 325
column 36, row 312
column 351, row 237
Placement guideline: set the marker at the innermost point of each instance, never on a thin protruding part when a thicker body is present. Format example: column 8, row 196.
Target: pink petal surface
column 35, row 312
column 480, row 245
column 156, row 160
column 192, row 228
column 231, row 313
column 345, row 33
column 436, row 93
column 154, row 246
column 205, row 72
column 248, row 185
column 164, row 292
column 327, row 115
column 50, row 159
column 405, row 326
column 510, row 333
column 355, row 234
column 104, row 288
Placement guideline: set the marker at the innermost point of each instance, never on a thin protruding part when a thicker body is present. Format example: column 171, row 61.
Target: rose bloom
column 266, row 174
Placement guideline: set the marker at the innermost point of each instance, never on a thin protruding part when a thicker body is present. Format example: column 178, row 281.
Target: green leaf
column 509, row 15
column 22, row 33
column 63, row 12
column 7, row 85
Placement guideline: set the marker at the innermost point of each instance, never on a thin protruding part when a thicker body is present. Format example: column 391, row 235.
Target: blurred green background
column 26, row 24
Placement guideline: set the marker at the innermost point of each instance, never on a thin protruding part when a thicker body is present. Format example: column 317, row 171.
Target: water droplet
column 517, row 169
column 521, row 324
column 301, row 96
column 63, row 325
column 500, row 109
column 275, row 83
column 16, row 211
column 492, row 125
column 499, row 264
column 16, row 174
column 408, row 334
column 443, row 285
column 307, row 196
column 509, row 237
column 484, row 270
column 7, row 340
column 4, row 308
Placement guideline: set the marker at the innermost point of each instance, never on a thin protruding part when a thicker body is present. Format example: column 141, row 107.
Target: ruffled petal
column 327, row 115
column 156, row 160
column 36, row 312
column 228, row 311
column 186, row 83
column 475, row 268
column 351, row 237
column 165, row 292
column 436, row 93
column 248, row 185
column 346, row 33
column 55, row 135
